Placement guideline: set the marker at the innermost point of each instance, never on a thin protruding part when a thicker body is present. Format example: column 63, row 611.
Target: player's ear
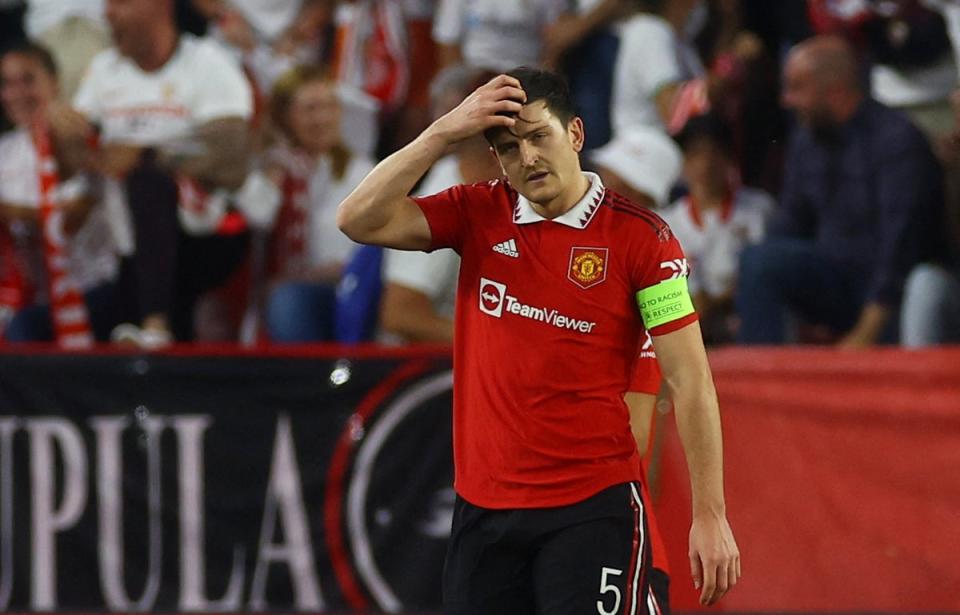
column 576, row 134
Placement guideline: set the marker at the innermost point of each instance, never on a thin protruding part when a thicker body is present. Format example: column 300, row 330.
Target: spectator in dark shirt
column 859, row 209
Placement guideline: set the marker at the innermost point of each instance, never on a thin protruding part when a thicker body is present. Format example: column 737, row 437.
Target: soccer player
column 549, row 517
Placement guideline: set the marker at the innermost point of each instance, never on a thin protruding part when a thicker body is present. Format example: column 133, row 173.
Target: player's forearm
column 698, row 423
column 371, row 205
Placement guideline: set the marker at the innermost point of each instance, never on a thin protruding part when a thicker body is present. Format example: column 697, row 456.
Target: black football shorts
column 588, row 558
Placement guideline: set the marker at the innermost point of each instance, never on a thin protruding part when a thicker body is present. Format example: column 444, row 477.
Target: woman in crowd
column 28, row 84
column 311, row 172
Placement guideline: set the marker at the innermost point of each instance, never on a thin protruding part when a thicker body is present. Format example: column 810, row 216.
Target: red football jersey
column 546, row 333
column 646, row 370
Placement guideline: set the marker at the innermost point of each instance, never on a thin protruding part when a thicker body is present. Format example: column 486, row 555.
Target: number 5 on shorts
column 606, row 587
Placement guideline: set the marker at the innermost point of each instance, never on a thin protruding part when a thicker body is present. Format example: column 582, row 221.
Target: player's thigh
column 595, row 567
column 484, row 574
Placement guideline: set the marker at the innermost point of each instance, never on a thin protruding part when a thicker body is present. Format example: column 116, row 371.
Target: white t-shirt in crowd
column 327, row 245
column 950, row 9
column 434, row 274
column 45, row 14
column 91, row 251
column 270, row 18
column 200, row 83
column 713, row 242
column 646, row 62
column 901, row 88
column 496, row 35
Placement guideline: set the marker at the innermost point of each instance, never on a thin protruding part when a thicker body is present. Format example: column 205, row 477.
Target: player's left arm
column 714, row 556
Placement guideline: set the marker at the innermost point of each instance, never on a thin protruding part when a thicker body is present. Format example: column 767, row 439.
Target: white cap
column 645, row 158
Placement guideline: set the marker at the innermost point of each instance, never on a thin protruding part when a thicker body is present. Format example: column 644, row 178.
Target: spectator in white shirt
column 173, row 114
column 656, row 57
column 28, row 84
column 714, row 222
column 494, row 35
column 310, row 172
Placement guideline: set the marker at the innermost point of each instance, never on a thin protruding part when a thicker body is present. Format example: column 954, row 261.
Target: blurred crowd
column 170, row 170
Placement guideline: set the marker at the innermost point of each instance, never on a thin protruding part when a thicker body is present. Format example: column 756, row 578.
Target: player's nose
column 528, row 155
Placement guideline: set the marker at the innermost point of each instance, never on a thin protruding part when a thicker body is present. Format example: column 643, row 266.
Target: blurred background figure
column 907, row 44
column 420, row 288
column 861, row 206
column 655, row 59
column 583, row 44
column 714, row 221
column 311, row 171
column 643, row 164
column 494, row 35
column 172, row 112
column 74, row 31
column 371, row 60
column 28, row 85
column 269, row 36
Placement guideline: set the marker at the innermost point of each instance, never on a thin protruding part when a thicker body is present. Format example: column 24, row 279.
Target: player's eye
column 506, row 148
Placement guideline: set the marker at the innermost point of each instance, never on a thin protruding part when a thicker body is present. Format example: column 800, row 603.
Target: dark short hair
column 32, row 50
column 550, row 87
column 708, row 126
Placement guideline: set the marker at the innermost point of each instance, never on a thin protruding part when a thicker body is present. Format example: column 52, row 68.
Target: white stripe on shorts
column 638, row 565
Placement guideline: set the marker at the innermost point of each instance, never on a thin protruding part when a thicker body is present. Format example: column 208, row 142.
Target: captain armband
column 665, row 302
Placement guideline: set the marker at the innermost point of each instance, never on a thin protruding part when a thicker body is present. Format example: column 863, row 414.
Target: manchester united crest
column 588, row 266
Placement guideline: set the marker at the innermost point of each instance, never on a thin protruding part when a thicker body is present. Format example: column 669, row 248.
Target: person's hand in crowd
column 117, row 159
column 236, row 30
column 856, row 340
column 67, row 123
column 868, row 329
column 305, row 29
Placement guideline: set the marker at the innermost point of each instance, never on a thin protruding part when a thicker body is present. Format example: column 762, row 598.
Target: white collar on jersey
column 578, row 216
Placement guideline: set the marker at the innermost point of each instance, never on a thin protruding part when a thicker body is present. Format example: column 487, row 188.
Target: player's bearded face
column 539, row 155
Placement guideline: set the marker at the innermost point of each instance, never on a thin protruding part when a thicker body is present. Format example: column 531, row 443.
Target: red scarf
column 15, row 293
column 287, row 252
column 68, row 311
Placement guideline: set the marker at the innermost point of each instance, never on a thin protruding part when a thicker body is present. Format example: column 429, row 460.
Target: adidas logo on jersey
column 507, row 248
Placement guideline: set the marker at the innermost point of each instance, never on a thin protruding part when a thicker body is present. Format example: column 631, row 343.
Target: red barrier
column 843, row 480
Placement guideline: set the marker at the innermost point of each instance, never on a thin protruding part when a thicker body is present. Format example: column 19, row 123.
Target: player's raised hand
column 486, row 107
column 714, row 557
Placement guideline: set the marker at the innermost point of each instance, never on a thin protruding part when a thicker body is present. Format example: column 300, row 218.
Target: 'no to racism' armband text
column 665, row 302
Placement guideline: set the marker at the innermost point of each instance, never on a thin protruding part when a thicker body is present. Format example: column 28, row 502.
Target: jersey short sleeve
column 446, row 214
column 645, row 376
column 224, row 90
column 659, row 278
